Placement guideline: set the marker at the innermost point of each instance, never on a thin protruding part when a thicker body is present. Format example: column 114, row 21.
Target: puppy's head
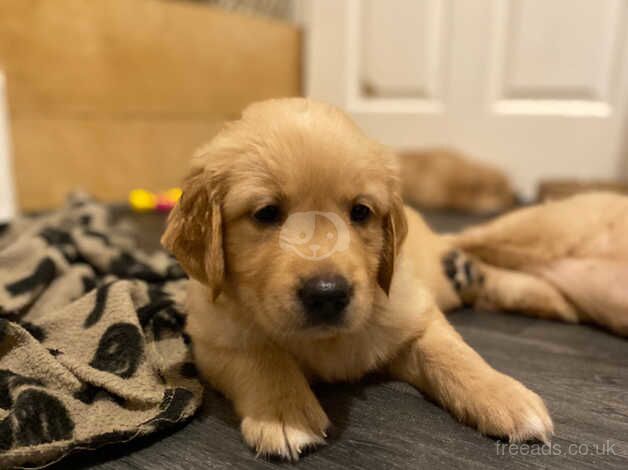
column 295, row 215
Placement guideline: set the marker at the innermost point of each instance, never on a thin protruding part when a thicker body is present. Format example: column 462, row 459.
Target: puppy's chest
column 350, row 358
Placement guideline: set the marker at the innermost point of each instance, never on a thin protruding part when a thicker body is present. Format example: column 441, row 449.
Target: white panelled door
column 538, row 87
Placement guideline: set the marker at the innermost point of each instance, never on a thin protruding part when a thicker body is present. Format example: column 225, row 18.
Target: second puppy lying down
column 442, row 178
column 564, row 260
column 306, row 266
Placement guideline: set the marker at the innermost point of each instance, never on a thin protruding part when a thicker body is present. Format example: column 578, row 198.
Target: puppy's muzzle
column 325, row 298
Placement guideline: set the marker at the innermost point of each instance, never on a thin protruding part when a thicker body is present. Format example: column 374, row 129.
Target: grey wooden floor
column 580, row 371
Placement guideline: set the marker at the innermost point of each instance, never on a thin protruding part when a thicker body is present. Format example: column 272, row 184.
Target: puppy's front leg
column 280, row 414
column 444, row 367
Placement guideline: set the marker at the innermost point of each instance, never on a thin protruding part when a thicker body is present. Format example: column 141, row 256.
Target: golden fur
column 442, row 178
column 248, row 330
column 565, row 260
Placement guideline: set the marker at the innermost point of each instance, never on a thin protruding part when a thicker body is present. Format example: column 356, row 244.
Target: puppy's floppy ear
column 395, row 228
column 194, row 231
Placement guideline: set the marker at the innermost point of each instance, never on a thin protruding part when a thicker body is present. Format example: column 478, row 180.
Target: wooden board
column 106, row 157
column 110, row 95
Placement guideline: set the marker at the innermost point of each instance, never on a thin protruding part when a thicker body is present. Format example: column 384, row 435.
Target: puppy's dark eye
column 267, row 215
column 360, row 213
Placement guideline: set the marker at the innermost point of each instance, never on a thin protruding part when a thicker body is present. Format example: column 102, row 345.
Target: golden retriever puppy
column 306, row 266
column 443, row 178
column 565, row 260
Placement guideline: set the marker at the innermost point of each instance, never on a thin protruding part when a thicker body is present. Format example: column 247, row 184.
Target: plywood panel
column 107, row 157
column 108, row 95
column 139, row 56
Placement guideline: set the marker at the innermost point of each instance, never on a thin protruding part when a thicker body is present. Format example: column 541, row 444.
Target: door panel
column 390, row 69
column 559, row 63
column 578, row 61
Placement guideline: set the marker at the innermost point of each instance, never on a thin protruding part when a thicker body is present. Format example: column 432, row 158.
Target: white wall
column 7, row 194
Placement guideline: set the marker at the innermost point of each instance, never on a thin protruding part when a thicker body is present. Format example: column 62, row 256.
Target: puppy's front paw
column 285, row 438
column 506, row 408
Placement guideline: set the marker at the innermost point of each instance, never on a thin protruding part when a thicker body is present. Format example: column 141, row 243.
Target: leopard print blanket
column 92, row 350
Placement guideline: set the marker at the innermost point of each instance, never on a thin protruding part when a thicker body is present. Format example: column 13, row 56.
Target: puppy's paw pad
column 463, row 274
column 277, row 439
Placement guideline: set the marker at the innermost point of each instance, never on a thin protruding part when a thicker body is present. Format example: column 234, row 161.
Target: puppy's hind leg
column 498, row 289
column 526, row 293
column 441, row 365
column 281, row 417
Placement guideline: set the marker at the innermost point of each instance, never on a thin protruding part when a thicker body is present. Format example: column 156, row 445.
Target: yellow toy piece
column 142, row 200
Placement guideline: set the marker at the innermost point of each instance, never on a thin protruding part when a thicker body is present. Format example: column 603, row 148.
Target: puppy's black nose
column 325, row 298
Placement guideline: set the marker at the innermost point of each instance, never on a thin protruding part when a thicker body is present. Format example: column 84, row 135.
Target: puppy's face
column 295, row 215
